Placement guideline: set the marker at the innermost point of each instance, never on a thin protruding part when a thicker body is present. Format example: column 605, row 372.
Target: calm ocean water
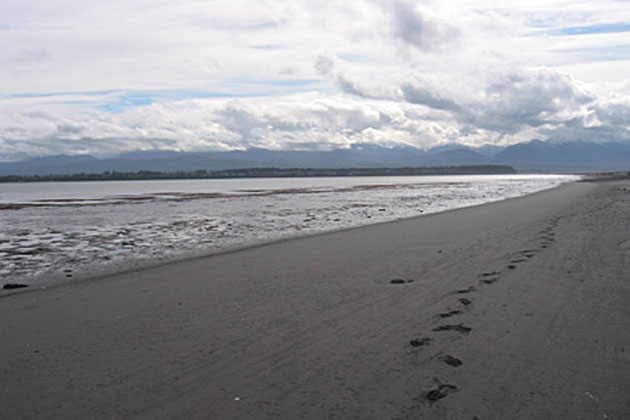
column 55, row 231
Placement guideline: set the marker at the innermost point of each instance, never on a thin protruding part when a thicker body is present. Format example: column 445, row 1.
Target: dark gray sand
column 313, row 328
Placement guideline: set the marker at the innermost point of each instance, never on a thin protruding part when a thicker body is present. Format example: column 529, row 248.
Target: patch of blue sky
column 602, row 28
column 545, row 20
column 134, row 99
column 121, row 101
column 117, row 101
column 613, row 53
column 85, row 104
column 120, row 104
column 53, row 94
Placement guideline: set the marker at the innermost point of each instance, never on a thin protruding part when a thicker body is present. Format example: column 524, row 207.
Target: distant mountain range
column 533, row 156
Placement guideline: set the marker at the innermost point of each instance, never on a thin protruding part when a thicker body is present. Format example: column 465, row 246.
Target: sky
column 104, row 77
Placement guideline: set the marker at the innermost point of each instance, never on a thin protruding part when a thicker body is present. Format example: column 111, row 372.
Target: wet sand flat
column 518, row 309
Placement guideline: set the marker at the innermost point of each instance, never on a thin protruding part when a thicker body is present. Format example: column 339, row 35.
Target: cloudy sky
column 99, row 77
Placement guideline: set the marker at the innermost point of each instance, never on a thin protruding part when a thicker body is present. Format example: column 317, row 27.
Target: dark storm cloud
column 417, row 30
column 575, row 130
column 616, row 113
column 421, row 96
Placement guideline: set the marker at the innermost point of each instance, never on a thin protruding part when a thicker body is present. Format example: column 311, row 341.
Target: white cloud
column 98, row 77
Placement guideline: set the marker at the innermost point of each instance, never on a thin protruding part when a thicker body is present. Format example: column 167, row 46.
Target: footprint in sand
column 440, row 392
column 464, row 291
column 451, row 360
column 488, row 281
column 490, row 274
column 464, row 301
column 460, row 328
column 419, row 342
column 449, row 314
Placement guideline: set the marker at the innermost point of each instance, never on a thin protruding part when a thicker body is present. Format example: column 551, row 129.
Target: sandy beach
column 513, row 310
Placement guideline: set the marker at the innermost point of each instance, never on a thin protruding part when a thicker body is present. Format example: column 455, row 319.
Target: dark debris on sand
column 400, row 281
column 9, row 286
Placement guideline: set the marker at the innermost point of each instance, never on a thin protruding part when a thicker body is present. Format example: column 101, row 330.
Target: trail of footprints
column 441, row 390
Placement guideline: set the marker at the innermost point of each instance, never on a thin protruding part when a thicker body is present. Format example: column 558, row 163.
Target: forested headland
column 265, row 173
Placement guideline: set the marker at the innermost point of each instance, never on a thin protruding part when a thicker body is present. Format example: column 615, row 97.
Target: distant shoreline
column 266, row 173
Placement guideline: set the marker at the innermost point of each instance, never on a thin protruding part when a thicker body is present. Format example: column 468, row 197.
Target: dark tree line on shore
column 266, row 173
